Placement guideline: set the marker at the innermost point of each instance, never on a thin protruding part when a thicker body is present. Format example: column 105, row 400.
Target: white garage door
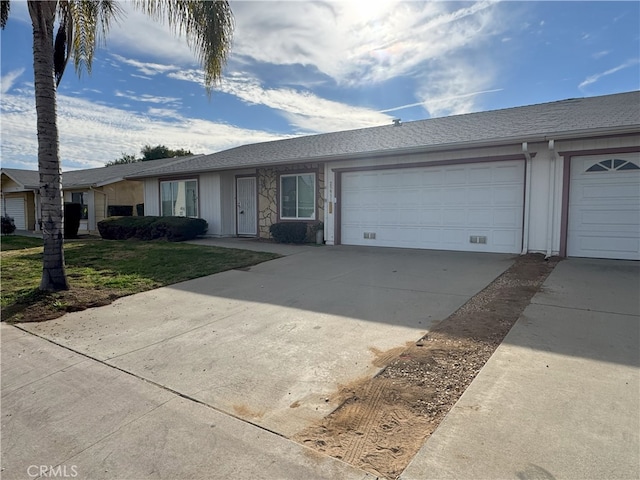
column 604, row 207
column 470, row 207
column 14, row 207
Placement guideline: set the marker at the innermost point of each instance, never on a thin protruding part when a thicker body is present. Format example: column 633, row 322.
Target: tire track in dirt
column 383, row 421
column 365, row 420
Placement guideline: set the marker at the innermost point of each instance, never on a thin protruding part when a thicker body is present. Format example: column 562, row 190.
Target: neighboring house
column 557, row 178
column 96, row 188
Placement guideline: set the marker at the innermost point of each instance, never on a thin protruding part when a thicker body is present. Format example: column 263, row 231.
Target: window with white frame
column 179, row 198
column 79, row 197
column 298, row 196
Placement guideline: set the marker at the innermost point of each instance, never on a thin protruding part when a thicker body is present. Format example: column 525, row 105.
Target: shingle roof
column 114, row 173
column 567, row 118
column 29, row 179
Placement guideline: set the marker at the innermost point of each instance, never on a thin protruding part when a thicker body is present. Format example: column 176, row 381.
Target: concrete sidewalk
column 560, row 397
column 66, row 415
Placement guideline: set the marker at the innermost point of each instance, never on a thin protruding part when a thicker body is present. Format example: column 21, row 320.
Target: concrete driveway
column 559, row 398
column 273, row 344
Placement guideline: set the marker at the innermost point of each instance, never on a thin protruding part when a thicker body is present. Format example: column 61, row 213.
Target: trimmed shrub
column 173, row 229
column 289, row 232
column 8, row 225
column 72, row 217
column 119, row 210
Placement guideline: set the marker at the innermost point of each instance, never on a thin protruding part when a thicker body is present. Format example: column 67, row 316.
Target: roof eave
column 442, row 147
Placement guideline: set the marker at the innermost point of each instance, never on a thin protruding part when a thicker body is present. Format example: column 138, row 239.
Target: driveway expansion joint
column 156, row 384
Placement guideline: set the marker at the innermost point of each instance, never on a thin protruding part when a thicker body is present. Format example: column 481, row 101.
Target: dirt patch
column 41, row 306
column 383, row 421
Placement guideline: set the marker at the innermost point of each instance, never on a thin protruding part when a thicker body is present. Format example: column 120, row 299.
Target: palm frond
column 207, row 25
column 5, row 6
column 91, row 20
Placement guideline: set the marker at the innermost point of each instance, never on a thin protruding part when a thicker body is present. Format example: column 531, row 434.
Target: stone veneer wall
column 268, row 191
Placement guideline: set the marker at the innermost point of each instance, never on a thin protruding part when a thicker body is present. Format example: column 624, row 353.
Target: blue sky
column 310, row 67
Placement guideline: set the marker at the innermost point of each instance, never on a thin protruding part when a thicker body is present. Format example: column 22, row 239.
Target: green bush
column 289, row 232
column 72, row 217
column 173, row 229
column 8, row 225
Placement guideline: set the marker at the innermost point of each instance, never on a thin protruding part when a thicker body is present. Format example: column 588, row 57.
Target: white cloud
column 594, row 78
column 7, row 81
column 452, row 90
column 146, row 68
column 441, row 100
column 303, row 109
column 352, row 43
column 356, row 42
column 145, row 97
column 137, row 34
column 92, row 134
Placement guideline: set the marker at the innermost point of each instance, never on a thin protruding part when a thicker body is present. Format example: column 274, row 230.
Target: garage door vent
column 478, row 239
column 370, row 235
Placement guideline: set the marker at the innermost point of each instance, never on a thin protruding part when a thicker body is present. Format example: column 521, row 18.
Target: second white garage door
column 14, row 208
column 604, row 207
column 470, row 207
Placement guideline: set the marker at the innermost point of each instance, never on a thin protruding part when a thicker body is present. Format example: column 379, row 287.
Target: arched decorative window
column 614, row 164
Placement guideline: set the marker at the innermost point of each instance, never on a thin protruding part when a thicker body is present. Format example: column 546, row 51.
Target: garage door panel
column 627, row 219
column 504, row 238
column 480, row 196
column 455, row 196
column 507, row 195
column 505, row 217
column 604, row 209
column 481, row 175
column 433, row 178
column 480, row 217
column 614, row 247
column 455, row 204
column 510, row 173
column 430, row 216
column 455, row 176
column 432, row 196
column 611, row 191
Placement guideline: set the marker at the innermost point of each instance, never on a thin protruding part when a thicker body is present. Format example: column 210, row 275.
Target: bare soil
column 47, row 306
column 383, row 421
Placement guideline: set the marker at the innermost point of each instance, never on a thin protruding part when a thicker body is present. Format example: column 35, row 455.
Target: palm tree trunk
column 53, row 271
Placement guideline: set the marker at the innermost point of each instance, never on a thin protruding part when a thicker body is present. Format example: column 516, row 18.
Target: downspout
column 552, row 199
column 527, row 199
column 37, row 214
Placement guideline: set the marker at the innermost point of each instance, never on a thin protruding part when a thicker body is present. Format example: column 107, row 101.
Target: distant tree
column 181, row 152
column 150, row 153
column 160, row 151
column 125, row 158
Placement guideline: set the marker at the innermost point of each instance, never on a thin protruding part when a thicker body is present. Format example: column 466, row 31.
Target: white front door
column 246, row 206
column 604, row 207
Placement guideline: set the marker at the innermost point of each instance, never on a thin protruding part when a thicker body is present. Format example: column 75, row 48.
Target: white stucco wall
column 209, row 201
column 216, row 199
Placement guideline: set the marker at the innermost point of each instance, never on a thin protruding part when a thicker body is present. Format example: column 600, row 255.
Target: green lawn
column 100, row 271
